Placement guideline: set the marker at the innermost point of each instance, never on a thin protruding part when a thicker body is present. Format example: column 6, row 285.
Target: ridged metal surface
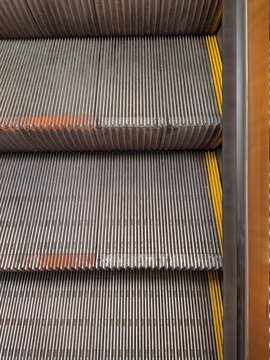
column 107, row 315
column 107, row 94
column 16, row 20
column 101, row 210
column 66, row 18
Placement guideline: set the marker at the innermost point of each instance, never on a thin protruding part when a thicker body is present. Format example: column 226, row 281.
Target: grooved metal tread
column 108, row 94
column 110, row 211
column 67, row 18
column 109, row 315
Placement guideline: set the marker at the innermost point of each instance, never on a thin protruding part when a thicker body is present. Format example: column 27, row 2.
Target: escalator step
column 67, row 18
column 110, row 210
column 161, row 93
column 111, row 315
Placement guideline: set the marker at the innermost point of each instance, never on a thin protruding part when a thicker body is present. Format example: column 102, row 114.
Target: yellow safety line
column 215, row 192
column 217, row 311
column 216, row 67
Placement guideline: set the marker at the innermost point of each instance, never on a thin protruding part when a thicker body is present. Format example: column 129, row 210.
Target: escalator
column 111, row 242
column 112, row 315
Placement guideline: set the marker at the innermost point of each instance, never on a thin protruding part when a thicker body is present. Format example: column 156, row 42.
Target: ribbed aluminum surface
column 66, row 18
column 106, row 315
column 102, row 210
column 16, row 20
column 107, row 94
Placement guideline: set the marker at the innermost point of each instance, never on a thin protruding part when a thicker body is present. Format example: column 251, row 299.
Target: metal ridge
column 67, row 18
column 108, row 94
column 107, row 210
column 107, row 315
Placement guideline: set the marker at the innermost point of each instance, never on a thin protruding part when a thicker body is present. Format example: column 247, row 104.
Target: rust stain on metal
column 65, row 260
column 47, row 122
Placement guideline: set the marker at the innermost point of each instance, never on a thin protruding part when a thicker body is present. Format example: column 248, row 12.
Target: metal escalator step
column 16, row 20
column 110, row 210
column 67, row 18
column 110, row 94
column 110, row 315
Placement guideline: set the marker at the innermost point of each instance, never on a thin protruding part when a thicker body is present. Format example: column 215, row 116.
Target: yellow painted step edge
column 217, row 311
column 215, row 195
column 215, row 192
column 216, row 67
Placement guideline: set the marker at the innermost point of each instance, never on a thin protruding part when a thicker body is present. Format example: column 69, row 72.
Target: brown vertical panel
column 258, row 160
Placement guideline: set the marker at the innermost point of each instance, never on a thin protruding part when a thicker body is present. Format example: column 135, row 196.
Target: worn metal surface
column 67, row 18
column 105, row 210
column 234, row 180
column 16, row 20
column 107, row 315
column 107, row 94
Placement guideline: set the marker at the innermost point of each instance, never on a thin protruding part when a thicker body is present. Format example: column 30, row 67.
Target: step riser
column 67, row 18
